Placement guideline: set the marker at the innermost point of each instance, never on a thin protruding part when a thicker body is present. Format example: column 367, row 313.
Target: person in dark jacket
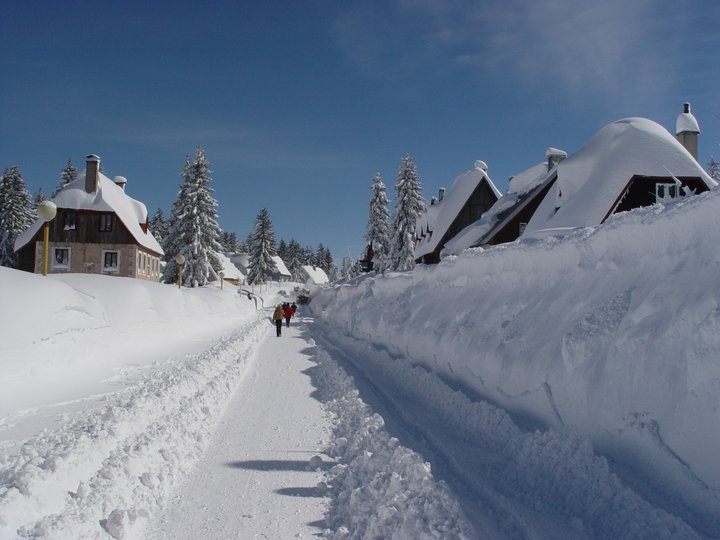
column 294, row 307
column 278, row 317
column 288, row 313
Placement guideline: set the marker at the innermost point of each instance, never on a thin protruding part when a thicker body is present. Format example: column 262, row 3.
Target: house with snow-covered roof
column 314, row 275
column 628, row 164
column 469, row 197
column 98, row 229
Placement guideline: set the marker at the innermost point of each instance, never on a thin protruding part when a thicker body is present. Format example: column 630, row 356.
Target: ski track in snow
column 104, row 474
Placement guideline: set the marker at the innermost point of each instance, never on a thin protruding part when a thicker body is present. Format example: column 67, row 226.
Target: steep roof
column 280, row 266
column 316, row 274
column 109, row 197
column 438, row 218
column 590, row 181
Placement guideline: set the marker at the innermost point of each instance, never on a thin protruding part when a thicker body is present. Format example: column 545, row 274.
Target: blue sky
column 297, row 104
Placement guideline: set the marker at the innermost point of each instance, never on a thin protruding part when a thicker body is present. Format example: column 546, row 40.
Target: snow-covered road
column 255, row 480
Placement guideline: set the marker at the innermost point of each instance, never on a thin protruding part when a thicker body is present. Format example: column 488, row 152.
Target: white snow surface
column 611, row 334
column 315, row 275
column 590, row 181
column 109, row 197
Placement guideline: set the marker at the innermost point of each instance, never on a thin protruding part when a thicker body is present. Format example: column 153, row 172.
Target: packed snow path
column 255, row 480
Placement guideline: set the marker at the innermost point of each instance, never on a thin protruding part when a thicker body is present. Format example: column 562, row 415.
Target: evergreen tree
column 38, row 198
column 158, row 226
column 194, row 231
column 713, row 168
column 67, row 175
column 294, row 259
column 16, row 213
column 348, row 268
column 307, row 256
column 408, row 205
column 282, row 250
column 262, row 249
column 378, row 227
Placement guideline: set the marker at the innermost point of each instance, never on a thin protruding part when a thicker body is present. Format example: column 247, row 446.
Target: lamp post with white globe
column 46, row 210
column 180, row 260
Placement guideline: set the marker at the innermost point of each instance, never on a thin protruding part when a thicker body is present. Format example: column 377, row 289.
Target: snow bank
column 379, row 489
column 612, row 333
column 107, row 472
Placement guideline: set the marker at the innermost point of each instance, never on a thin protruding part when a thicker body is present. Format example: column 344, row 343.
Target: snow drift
column 612, row 333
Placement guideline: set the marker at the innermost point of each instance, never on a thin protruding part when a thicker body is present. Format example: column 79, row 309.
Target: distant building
column 314, row 275
column 241, row 261
column 470, row 196
column 98, row 229
column 628, row 164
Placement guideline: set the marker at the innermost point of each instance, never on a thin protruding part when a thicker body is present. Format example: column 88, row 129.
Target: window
column 521, row 227
column 105, row 222
column 666, row 192
column 61, row 258
column 69, row 221
column 110, row 261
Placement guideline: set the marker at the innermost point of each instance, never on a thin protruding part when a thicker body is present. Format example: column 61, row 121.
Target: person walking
column 278, row 318
column 288, row 312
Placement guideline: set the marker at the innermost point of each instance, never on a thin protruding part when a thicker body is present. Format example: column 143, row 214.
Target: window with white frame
column 61, row 257
column 110, row 261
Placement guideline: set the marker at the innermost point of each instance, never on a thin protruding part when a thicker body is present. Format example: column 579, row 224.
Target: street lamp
column 46, row 211
column 222, row 278
column 180, row 259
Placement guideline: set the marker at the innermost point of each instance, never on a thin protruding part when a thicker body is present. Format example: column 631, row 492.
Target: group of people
column 283, row 311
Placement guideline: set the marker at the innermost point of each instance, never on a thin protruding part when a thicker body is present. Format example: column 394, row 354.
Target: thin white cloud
column 608, row 49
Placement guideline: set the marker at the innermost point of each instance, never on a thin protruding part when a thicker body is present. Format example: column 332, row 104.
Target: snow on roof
column 590, row 181
column 241, row 261
column 520, row 185
column 434, row 222
column 109, row 197
column 280, row 266
column 686, row 121
column 230, row 270
column 316, row 274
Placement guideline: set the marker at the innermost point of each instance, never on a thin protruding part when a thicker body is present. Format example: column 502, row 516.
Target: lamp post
column 222, row 278
column 180, row 259
column 46, row 211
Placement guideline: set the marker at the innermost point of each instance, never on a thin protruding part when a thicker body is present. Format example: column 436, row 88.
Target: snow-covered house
column 241, row 261
column 314, row 275
column 469, row 197
column 281, row 272
column 628, row 164
column 98, row 229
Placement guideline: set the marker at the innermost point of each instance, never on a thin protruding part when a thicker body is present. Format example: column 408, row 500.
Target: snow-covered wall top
column 612, row 332
column 438, row 217
column 590, row 181
column 109, row 197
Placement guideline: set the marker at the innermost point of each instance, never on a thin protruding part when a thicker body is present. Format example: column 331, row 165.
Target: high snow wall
column 612, row 332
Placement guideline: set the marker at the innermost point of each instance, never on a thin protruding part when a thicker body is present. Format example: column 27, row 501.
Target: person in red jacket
column 288, row 312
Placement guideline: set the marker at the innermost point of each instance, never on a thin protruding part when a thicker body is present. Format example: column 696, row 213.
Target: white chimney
column 554, row 156
column 120, row 181
column 687, row 130
column 92, row 173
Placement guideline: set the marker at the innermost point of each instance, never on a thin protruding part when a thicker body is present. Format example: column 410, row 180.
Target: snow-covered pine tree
column 38, row 198
column 378, row 227
column 294, row 261
column 16, row 213
column 282, row 250
column 348, row 268
column 67, row 175
column 158, row 226
column 408, row 205
column 262, row 249
column 713, row 168
column 308, row 256
column 194, row 230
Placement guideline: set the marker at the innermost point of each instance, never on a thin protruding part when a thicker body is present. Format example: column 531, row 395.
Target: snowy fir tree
column 159, row 226
column 713, row 168
column 16, row 213
column 378, row 226
column 294, row 259
column 194, row 231
column 262, row 249
column 408, row 205
column 323, row 259
column 67, row 175
column 37, row 198
column 348, row 268
column 307, row 256
column 229, row 243
column 282, row 250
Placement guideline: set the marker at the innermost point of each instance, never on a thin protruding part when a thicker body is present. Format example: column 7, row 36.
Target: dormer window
column 105, row 222
column 69, row 221
column 665, row 192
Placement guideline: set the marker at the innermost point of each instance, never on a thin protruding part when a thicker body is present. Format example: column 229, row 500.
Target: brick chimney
column 92, row 173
